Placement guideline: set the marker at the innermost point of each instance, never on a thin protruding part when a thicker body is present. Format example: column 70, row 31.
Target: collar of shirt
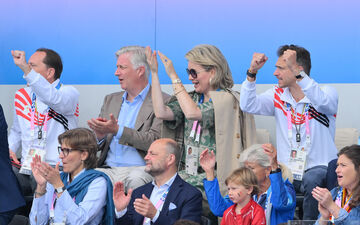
column 141, row 95
column 68, row 178
column 287, row 97
column 167, row 184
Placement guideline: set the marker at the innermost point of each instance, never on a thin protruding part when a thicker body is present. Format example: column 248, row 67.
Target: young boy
column 242, row 185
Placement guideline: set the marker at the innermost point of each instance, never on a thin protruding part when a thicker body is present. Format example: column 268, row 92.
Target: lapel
column 139, row 219
column 115, row 110
column 144, row 112
column 172, row 195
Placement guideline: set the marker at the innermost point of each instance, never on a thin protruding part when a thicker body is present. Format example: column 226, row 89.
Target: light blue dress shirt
column 122, row 155
column 89, row 211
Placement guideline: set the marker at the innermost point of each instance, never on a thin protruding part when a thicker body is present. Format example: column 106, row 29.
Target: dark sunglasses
column 66, row 151
column 193, row 72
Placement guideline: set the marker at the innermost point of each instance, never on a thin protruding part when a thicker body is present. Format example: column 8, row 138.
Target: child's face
column 238, row 193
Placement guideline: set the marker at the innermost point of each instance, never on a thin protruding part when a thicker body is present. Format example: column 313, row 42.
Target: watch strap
column 250, row 74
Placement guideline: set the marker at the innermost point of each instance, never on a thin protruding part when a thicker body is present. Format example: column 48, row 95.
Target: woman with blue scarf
column 79, row 195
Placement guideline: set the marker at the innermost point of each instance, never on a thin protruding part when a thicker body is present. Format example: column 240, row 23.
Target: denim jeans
column 315, row 176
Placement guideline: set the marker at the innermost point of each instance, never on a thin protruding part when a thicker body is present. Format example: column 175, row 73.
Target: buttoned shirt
column 122, row 155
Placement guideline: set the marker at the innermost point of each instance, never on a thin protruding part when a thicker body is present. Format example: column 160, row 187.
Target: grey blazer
column 147, row 126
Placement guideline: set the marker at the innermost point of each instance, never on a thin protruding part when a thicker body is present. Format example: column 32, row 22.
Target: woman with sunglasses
column 80, row 195
column 209, row 116
column 342, row 204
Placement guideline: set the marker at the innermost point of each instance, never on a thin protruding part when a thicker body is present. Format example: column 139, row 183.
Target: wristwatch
column 251, row 74
column 302, row 74
column 60, row 189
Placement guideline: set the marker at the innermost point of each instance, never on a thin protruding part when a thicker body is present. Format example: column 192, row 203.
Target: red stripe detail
column 19, row 106
column 20, row 98
column 22, row 90
column 20, row 113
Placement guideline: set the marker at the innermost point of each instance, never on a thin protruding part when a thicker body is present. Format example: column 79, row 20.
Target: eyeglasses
column 66, row 151
column 193, row 72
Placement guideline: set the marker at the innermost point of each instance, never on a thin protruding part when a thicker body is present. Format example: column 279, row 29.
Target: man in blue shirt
column 127, row 125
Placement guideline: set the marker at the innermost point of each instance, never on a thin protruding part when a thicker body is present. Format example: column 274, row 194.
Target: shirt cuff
column 121, row 213
column 120, row 132
column 156, row 216
column 31, row 77
column 305, row 82
column 249, row 84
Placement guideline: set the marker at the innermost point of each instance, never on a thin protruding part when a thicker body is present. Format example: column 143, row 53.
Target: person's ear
column 171, row 159
column 50, row 74
column 84, row 155
column 249, row 190
column 141, row 71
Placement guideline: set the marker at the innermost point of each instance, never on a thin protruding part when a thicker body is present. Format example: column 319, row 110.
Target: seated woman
column 342, row 204
column 276, row 196
column 80, row 195
column 208, row 117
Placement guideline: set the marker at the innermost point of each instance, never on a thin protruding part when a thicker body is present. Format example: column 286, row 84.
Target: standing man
column 127, row 125
column 10, row 194
column 305, row 118
column 42, row 110
column 165, row 200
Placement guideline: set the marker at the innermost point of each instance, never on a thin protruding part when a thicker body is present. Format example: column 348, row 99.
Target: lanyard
column 307, row 126
column 42, row 127
column 342, row 202
column 158, row 204
column 52, row 210
column 196, row 122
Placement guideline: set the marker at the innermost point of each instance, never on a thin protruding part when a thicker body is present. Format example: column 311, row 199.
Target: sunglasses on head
column 193, row 72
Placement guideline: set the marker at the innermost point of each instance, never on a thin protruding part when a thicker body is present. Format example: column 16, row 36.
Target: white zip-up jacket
column 63, row 103
column 323, row 104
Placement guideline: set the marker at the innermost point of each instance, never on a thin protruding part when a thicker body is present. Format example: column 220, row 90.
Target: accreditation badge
column 191, row 160
column 34, row 150
column 297, row 162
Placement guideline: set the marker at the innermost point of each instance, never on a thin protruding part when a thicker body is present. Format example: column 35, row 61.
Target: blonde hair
column 245, row 177
column 210, row 57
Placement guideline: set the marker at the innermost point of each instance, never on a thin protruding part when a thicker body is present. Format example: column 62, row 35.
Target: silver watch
column 60, row 189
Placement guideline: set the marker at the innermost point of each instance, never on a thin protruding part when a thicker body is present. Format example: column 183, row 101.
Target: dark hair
column 81, row 139
column 353, row 153
column 302, row 56
column 245, row 177
column 52, row 60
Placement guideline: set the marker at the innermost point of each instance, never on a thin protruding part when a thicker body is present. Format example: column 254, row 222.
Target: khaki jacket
column 234, row 132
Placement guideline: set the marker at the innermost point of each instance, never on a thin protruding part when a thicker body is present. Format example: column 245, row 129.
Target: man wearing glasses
column 127, row 126
column 42, row 110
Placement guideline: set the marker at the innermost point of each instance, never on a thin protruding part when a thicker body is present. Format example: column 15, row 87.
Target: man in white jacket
column 42, row 110
column 305, row 118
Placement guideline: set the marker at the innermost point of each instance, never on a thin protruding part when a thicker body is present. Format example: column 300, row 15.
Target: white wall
column 91, row 98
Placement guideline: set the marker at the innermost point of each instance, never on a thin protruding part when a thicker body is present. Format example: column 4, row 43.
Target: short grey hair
column 137, row 57
column 255, row 154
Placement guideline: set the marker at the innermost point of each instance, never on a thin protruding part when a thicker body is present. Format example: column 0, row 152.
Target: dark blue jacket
column 10, row 194
column 188, row 201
